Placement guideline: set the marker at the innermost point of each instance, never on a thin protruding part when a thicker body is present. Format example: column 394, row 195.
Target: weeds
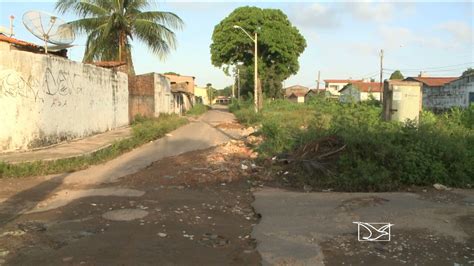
column 143, row 131
column 198, row 109
column 378, row 155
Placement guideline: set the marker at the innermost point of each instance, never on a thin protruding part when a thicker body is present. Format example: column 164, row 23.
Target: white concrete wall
column 453, row 94
column 164, row 101
column 46, row 99
column 335, row 91
column 364, row 96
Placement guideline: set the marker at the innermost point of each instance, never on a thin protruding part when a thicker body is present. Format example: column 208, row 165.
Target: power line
column 429, row 68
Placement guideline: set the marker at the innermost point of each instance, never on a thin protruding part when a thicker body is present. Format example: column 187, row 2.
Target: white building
column 334, row 86
column 360, row 91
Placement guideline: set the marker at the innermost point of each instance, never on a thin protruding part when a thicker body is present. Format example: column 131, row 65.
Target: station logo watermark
column 373, row 231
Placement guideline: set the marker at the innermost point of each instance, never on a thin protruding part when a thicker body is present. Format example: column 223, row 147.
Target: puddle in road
column 64, row 197
column 125, row 214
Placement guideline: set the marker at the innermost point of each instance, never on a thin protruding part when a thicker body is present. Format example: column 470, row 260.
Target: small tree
column 468, row 72
column 396, row 75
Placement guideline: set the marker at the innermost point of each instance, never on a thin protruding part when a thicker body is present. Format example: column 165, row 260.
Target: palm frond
column 83, row 8
column 168, row 19
column 158, row 38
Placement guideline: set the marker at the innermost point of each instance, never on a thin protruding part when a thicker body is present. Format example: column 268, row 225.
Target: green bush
column 379, row 155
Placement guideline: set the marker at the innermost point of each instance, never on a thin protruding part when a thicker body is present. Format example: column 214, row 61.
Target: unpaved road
column 193, row 208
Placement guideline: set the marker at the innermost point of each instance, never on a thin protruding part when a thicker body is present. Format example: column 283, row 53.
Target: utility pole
column 381, row 75
column 238, row 84
column 319, row 79
column 256, row 74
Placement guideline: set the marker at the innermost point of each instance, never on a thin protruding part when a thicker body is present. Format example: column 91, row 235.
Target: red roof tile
column 433, row 81
column 366, row 86
column 4, row 38
column 341, row 80
column 108, row 64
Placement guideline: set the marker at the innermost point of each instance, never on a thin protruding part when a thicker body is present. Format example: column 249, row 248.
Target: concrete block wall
column 46, row 99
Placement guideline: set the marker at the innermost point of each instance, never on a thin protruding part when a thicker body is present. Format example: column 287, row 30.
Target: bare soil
column 195, row 211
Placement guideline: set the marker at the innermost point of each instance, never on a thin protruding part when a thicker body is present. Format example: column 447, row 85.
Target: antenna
column 50, row 29
column 9, row 32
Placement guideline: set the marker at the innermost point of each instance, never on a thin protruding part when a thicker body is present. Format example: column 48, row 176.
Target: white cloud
column 379, row 11
column 460, row 31
column 316, row 15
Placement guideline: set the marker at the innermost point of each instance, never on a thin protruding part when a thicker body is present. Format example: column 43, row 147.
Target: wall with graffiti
column 46, row 99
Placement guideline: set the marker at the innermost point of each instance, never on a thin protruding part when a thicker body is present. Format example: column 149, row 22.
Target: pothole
column 124, row 215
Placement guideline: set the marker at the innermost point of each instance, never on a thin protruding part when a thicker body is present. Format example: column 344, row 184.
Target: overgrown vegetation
column 144, row 130
column 198, row 109
column 372, row 155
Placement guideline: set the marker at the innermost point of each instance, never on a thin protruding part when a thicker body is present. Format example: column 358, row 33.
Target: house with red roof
column 441, row 93
column 436, row 92
column 357, row 91
column 333, row 86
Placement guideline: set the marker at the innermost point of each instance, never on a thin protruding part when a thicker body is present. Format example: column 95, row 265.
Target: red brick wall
column 141, row 96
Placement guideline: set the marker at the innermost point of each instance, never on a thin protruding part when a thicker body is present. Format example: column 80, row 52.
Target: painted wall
column 202, row 92
column 46, row 99
column 453, row 94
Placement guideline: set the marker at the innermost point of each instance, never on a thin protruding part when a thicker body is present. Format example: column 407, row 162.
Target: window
column 471, row 98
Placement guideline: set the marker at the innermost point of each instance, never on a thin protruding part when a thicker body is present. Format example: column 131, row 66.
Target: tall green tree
column 279, row 46
column 396, row 75
column 112, row 25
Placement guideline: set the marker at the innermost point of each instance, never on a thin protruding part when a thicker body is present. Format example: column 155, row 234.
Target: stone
column 440, row 187
column 162, row 235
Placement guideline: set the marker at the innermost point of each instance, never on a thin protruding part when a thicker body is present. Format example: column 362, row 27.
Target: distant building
column 201, row 95
column 297, row 97
column 182, row 88
column 313, row 93
column 433, row 90
column 222, row 100
column 358, row 91
column 295, row 93
column 334, row 86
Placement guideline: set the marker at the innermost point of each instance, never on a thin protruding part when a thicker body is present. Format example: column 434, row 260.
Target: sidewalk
column 68, row 149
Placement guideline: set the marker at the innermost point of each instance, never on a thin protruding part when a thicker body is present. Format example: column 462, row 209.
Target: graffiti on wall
column 53, row 84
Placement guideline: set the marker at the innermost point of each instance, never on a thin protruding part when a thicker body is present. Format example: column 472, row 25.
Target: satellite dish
column 50, row 29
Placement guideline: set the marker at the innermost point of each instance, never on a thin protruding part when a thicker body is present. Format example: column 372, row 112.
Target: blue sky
column 344, row 38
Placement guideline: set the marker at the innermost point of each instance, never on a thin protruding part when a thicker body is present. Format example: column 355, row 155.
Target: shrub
column 198, row 109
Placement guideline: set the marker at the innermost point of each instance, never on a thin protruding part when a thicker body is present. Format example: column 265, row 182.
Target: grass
column 379, row 155
column 143, row 131
column 198, row 109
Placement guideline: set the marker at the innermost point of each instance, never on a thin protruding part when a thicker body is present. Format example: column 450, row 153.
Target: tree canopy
column 396, row 75
column 112, row 25
column 468, row 72
column 279, row 45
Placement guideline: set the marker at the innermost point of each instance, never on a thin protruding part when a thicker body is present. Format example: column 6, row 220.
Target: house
column 295, row 93
column 334, row 86
column 433, row 90
column 297, row 96
column 358, row 91
column 222, row 100
column 150, row 95
column 182, row 88
column 313, row 93
column 454, row 92
column 201, row 95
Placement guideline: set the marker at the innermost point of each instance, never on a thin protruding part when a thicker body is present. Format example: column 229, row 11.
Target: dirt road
column 193, row 208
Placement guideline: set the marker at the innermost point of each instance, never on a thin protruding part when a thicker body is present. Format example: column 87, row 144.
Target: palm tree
column 111, row 25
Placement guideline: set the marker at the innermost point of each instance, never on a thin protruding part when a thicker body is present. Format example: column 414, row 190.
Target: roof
column 315, row 91
column 297, row 94
column 341, row 80
column 296, row 89
column 4, row 38
column 109, row 64
column 366, row 86
column 433, row 81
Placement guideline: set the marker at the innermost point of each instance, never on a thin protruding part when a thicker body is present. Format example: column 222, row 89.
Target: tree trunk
column 260, row 95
